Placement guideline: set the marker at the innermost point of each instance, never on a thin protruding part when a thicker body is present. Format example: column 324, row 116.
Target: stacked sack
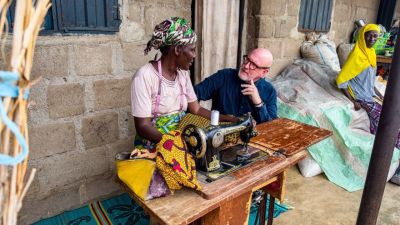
column 319, row 49
column 343, row 51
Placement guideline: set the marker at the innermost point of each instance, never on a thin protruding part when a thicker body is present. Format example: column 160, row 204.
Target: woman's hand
column 134, row 153
column 142, row 153
column 357, row 105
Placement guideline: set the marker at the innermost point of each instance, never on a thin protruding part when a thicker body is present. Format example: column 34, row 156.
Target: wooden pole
column 382, row 152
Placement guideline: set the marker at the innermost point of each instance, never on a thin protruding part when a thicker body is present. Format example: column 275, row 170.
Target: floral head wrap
column 174, row 31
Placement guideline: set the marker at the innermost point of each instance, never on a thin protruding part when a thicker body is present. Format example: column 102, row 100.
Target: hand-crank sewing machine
column 206, row 144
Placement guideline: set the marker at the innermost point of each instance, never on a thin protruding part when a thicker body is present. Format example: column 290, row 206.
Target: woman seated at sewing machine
column 161, row 90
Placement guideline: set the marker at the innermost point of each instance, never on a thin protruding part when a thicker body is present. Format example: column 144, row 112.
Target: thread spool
column 214, row 117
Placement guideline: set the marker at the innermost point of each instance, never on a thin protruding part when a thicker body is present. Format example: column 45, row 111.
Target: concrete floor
column 317, row 201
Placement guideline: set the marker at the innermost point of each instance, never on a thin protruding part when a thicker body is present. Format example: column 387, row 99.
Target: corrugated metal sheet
column 315, row 15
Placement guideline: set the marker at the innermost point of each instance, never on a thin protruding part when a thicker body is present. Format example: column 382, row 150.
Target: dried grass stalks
column 14, row 182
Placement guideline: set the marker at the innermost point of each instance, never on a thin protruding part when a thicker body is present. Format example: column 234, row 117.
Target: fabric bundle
column 175, row 164
column 172, row 168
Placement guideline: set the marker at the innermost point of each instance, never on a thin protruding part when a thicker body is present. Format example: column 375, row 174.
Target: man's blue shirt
column 224, row 89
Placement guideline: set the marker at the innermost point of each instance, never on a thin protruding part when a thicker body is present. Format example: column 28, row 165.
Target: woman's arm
column 146, row 130
column 195, row 108
column 357, row 105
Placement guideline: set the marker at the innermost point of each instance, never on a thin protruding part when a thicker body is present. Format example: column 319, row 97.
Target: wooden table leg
column 231, row 211
column 262, row 208
column 271, row 209
column 276, row 189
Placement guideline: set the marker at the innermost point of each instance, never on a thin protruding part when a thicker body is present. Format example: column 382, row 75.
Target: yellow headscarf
column 360, row 58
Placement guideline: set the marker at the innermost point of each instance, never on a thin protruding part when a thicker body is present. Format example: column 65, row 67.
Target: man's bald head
column 262, row 56
column 256, row 65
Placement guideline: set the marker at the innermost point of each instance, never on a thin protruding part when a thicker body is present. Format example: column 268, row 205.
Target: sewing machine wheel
column 195, row 139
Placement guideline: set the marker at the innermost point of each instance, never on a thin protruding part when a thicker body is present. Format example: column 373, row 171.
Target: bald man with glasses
column 238, row 91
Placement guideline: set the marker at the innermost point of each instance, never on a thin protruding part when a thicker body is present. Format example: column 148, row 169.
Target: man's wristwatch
column 259, row 104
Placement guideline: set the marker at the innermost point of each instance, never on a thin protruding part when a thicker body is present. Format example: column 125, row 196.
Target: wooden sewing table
column 383, row 59
column 228, row 200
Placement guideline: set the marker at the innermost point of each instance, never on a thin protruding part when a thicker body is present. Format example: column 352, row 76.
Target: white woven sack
column 322, row 51
column 309, row 167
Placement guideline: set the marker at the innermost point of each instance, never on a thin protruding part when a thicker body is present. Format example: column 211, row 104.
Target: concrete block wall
column 273, row 24
column 79, row 116
column 346, row 12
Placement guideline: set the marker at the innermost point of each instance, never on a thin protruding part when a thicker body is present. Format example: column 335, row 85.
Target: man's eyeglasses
column 252, row 65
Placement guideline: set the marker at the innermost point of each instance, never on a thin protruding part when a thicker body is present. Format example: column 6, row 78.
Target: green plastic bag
column 380, row 45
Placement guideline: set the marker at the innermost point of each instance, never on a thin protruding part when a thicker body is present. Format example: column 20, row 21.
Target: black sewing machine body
column 205, row 144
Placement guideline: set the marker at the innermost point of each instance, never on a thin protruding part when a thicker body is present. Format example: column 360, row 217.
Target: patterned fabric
column 164, row 124
column 196, row 120
column 373, row 110
column 158, row 187
column 174, row 31
column 119, row 210
column 175, row 164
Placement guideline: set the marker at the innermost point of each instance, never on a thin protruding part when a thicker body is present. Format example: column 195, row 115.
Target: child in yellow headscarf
column 357, row 77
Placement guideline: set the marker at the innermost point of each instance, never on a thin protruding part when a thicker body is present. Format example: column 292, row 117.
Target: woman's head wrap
column 174, row 31
column 360, row 58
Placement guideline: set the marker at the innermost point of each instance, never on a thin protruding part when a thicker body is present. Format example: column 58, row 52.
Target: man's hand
column 254, row 122
column 357, row 105
column 251, row 91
